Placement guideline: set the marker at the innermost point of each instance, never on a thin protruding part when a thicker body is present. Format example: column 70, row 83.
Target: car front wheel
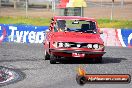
column 46, row 55
column 52, row 59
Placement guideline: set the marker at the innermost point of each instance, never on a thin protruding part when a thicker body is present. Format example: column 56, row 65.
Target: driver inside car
column 62, row 25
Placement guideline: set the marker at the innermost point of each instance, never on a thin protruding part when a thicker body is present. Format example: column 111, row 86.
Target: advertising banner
column 22, row 33
column 125, row 37
column 36, row 34
column 117, row 37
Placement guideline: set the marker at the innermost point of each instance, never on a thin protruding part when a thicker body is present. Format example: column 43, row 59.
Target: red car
column 73, row 36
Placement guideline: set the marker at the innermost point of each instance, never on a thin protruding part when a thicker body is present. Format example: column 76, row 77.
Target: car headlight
column 101, row 46
column 89, row 45
column 67, row 45
column 55, row 44
column 60, row 44
column 95, row 46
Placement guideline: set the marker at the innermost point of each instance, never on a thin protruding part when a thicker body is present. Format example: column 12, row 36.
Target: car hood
column 77, row 37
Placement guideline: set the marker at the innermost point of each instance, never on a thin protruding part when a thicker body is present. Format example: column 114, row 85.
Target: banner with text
column 22, row 33
column 36, row 34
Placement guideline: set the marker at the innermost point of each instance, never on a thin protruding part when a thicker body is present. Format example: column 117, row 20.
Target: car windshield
column 75, row 26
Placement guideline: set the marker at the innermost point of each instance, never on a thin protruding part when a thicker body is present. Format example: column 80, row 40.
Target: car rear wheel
column 52, row 59
column 46, row 55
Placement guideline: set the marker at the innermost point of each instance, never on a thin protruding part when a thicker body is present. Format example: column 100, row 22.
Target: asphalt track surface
column 29, row 59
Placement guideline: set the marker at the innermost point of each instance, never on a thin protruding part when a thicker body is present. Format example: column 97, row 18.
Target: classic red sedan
column 73, row 36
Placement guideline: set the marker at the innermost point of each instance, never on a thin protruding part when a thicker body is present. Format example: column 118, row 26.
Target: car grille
column 79, row 45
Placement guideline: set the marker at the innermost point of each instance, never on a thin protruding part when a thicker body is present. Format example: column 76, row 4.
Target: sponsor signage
column 23, row 33
column 83, row 78
column 125, row 37
column 36, row 34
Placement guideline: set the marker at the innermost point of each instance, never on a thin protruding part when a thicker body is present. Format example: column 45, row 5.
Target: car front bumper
column 77, row 51
column 69, row 53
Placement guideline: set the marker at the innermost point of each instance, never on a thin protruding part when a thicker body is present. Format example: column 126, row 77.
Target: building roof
column 71, row 3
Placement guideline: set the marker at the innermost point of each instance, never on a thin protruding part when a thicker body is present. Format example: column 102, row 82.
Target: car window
column 75, row 26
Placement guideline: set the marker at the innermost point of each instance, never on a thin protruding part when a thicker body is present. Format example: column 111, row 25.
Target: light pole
column 0, row 3
column 112, row 8
column 26, row 8
column 15, row 4
column 53, row 6
column 101, row 3
column 122, row 3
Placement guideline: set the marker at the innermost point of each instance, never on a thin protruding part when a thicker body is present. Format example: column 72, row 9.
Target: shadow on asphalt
column 19, row 60
column 106, row 60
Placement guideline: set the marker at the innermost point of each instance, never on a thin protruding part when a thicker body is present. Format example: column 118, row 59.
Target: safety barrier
column 117, row 37
column 22, row 33
column 36, row 34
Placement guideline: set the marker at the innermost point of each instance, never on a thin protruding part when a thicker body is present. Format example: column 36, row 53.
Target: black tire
column 98, row 60
column 46, row 55
column 52, row 59
column 81, row 80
